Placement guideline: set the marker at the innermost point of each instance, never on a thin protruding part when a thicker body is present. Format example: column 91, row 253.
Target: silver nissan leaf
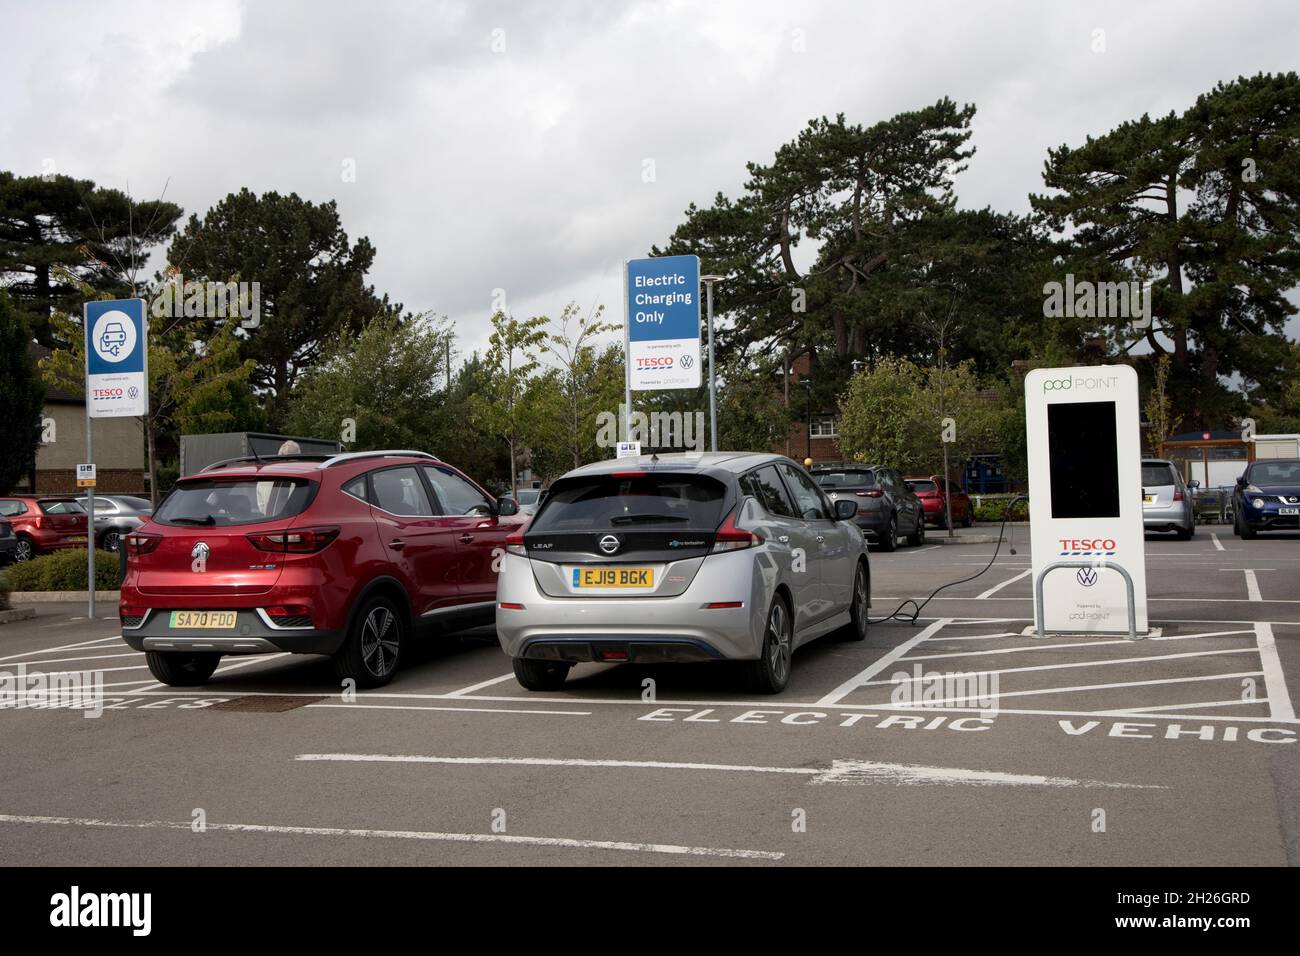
column 689, row 557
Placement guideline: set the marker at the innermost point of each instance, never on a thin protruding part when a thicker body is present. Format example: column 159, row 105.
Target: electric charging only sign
column 117, row 348
column 663, row 323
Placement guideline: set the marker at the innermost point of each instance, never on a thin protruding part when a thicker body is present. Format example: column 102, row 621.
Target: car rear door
column 480, row 532
column 828, row 544
column 421, row 544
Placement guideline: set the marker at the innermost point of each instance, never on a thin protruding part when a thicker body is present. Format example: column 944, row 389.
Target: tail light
column 138, row 543
column 731, row 538
column 873, row 493
column 1178, row 494
column 515, row 543
column 293, row 540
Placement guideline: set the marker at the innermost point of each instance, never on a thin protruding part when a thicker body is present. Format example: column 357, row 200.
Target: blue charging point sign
column 663, row 322
column 117, row 349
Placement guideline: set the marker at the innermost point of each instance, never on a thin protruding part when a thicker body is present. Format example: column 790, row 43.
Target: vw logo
column 609, row 544
column 200, row 551
column 1086, row 576
column 687, row 361
column 133, row 393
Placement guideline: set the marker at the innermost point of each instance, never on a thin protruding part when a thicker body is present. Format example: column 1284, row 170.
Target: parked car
column 8, row 542
column 721, row 556
column 529, row 498
column 115, row 517
column 44, row 523
column 887, row 507
column 346, row 555
column 936, row 493
column 1267, row 497
column 1166, row 499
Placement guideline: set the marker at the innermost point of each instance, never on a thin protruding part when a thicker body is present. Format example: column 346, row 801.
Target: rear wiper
column 632, row 519
column 205, row 520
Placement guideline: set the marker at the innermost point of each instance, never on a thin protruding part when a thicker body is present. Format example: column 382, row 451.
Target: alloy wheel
column 379, row 642
column 778, row 634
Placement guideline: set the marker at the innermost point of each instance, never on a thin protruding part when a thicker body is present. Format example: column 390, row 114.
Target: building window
column 823, row 426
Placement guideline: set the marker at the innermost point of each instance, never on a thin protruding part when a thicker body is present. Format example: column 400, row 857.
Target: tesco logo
column 665, row 361
column 1087, row 544
column 106, row 392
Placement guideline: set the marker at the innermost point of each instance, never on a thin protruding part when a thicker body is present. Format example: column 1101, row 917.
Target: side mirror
column 844, row 510
column 1193, row 484
column 505, row 507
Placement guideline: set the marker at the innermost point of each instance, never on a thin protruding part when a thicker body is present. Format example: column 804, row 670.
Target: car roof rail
column 261, row 460
column 386, row 453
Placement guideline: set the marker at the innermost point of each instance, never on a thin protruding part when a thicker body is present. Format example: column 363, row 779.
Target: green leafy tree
column 383, row 388
column 517, row 406
column 587, row 380
column 752, row 414
column 22, row 397
column 311, row 280
column 59, row 236
column 1206, row 205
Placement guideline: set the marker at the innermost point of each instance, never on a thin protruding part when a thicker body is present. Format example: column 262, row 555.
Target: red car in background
column 44, row 523
column 345, row 555
column 932, row 491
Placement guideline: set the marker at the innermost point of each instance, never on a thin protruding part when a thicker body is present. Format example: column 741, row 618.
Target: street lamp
column 807, row 387
column 713, row 382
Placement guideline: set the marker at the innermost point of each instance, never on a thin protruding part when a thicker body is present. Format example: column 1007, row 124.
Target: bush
column 4, row 595
column 992, row 510
column 63, row 571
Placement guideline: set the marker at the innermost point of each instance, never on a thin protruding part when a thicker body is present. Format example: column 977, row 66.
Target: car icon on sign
column 113, row 338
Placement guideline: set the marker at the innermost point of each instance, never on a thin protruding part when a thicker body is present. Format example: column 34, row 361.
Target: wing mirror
column 844, row 509
column 506, row 506
column 1194, row 484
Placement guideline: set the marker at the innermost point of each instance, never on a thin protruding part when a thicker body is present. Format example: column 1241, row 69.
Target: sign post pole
column 90, row 521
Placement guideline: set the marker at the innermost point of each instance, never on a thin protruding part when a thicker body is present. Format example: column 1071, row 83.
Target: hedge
column 63, row 571
column 992, row 509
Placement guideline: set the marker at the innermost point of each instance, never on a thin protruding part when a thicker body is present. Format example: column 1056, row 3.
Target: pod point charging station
column 1085, row 501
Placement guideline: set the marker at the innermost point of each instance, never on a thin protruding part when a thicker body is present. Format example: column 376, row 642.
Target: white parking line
column 69, row 660
column 472, row 710
column 1218, row 545
column 857, row 680
column 1205, row 703
column 481, row 684
column 998, row 587
column 61, row 647
column 1030, row 648
column 887, row 705
column 1274, row 681
column 508, row 838
column 840, row 771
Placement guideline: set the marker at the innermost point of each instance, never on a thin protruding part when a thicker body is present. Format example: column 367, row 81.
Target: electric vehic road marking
column 563, row 842
column 840, row 771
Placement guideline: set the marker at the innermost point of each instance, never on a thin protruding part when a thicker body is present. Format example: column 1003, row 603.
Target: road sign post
column 117, row 386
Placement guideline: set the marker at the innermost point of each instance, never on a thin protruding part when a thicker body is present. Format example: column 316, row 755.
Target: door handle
column 397, row 544
column 466, row 538
column 784, row 539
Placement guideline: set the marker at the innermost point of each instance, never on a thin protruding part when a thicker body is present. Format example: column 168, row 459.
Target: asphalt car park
column 954, row 739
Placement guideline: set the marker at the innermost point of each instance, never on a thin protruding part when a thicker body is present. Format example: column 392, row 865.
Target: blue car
column 1267, row 497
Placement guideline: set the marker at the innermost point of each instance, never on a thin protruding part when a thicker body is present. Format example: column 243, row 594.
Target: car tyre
column 859, row 606
column 111, row 540
column 889, row 540
column 917, row 537
column 25, row 549
column 182, row 668
column 373, row 648
column 771, row 672
column 1184, row 534
column 969, row 520
column 540, row 675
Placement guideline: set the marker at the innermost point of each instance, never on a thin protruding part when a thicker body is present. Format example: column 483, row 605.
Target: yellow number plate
column 203, row 619
column 1148, row 499
column 613, row 577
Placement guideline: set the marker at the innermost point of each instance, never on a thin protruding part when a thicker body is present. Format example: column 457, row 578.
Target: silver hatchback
column 1166, row 500
column 698, row 557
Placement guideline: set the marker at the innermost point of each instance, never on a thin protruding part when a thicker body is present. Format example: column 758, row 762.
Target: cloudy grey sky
column 501, row 146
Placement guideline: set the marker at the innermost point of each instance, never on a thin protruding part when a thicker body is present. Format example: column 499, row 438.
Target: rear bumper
column 252, row 634
column 675, row 628
column 1167, row 519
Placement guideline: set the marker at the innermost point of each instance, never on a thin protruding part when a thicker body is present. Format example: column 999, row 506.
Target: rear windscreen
column 1084, row 459
column 61, row 508
column 1155, row 476
column 850, row 478
column 920, row 486
column 601, row 502
column 242, row 501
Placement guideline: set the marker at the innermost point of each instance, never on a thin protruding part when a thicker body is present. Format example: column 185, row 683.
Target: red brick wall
column 116, row 481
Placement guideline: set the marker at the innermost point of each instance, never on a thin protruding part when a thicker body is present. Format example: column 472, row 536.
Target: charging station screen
column 1084, row 459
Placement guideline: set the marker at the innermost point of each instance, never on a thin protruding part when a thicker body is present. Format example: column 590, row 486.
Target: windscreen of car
column 528, row 497
column 599, row 502
column 1156, row 476
column 849, row 478
column 61, row 507
column 1275, row 473
column 919, row 486
column 209, row 502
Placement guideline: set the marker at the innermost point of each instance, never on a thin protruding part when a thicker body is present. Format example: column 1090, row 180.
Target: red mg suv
column 346, row 555
column 44, row 523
